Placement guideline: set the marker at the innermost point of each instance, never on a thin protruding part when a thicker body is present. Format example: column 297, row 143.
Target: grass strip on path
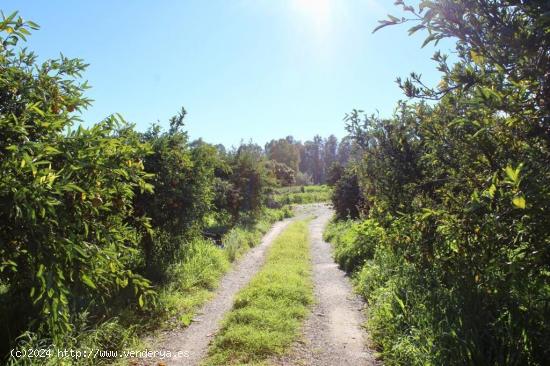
column 267, row 315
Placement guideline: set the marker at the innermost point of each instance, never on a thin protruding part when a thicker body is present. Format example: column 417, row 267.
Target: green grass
column 302, row 194
column 267, row 315
column 241, row 238
column 191, row 282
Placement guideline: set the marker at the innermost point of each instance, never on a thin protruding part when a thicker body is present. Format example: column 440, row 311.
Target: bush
column 334, row 173
column 347, row 198
column 354, row 242
column 185, row 190
column 250, row 180
column 303, row 179
column 83, row 234
column 281, row 173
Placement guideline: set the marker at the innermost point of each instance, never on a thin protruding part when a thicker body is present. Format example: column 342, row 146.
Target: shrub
column 347, row 197
column 281, row 173
column 185, row 189
column 354, row 242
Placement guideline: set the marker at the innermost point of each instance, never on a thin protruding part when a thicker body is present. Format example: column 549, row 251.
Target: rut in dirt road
column 333, row 334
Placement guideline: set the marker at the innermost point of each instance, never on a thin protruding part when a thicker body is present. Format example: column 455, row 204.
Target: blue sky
column 243, row 69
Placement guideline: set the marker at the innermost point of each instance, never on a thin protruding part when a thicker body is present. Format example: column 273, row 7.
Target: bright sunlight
column 315, row 12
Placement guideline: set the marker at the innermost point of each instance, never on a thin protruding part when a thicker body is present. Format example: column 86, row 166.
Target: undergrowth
column 414, row 317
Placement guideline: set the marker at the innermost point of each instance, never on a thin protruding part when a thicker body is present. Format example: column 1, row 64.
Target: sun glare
column 317, row 12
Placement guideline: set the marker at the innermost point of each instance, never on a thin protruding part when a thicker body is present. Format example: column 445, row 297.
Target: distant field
column 302, row 194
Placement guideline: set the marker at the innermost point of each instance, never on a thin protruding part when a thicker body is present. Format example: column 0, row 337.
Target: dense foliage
column 347, row 197
column 457, row 198
column 183, row 195
column 66, row 195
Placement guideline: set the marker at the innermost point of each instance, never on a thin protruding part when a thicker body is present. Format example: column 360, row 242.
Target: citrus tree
column 69, row 234
column 460, row 185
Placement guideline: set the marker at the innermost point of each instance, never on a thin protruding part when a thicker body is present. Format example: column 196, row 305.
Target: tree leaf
column 519, row 202
column 477, row 58
column 88, row 281
column 429, row 39
column 383, row 23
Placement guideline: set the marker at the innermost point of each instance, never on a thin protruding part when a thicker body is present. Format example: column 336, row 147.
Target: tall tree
column 344, row 150
column 460, row 186
column 330, row 151
column 249, row 178
column 284, row 151
column 68, row 226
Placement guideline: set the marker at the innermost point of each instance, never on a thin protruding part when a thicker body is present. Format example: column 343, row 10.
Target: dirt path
column 332, row 334
column 193, row 340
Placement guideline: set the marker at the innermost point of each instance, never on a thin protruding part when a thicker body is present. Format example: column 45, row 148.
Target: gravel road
column 332, row 334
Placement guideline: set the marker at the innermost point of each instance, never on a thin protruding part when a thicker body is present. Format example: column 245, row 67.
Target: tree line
column 311, row 161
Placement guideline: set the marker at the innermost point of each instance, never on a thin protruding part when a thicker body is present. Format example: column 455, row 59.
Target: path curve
column 333, row 333
column 192, row 342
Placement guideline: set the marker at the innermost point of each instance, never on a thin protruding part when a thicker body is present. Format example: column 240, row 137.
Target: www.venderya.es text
column 76, row 354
